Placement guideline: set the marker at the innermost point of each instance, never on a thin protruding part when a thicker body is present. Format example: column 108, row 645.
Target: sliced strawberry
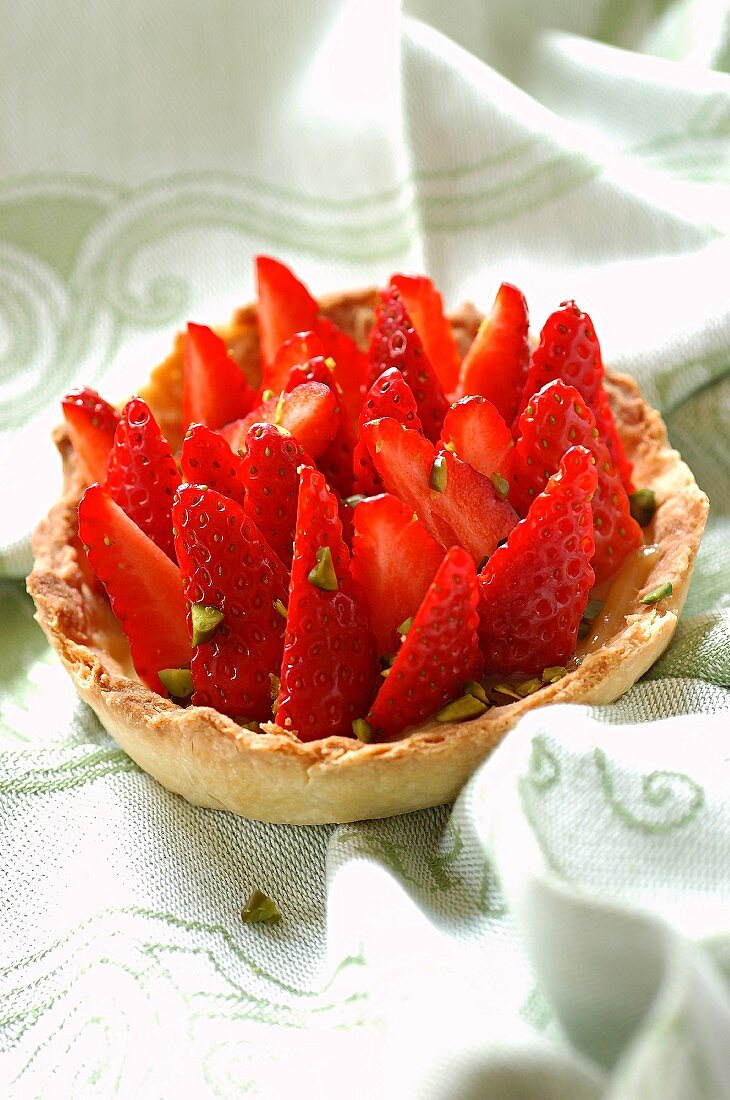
column 464, row 511
column 145, row 589
column 227, row 565
column 394, row 342
column 477, row 433
column 207, row 459
column 285, row 306
column 534, row 589
column 141, row 474
column 269, row 470
column 91, row 422
column 315, row 369
column 558, row 418
column 440, row 652
column 330, row 665
column 569, row 350
column 215, row 389
column 395, row 559
column 298, row 349
column 389, row 396
column 426, row 308
column 351, row 365
column 310, row 412
column 495, row 365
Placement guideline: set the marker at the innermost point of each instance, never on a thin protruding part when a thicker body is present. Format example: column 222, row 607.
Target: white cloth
column 564, row 932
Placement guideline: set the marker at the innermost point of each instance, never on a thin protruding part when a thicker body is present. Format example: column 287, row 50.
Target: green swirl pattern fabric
column 562, row 931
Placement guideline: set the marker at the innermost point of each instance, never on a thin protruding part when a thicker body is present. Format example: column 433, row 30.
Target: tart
column 267, row 769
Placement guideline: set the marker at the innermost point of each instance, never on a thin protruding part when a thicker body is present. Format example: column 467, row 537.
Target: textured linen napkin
column 563, row 931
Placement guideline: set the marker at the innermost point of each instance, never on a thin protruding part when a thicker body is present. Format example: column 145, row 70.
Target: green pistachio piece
column 593, row 609
column 529, row 687
column 459, row 710
column 658, row 594
column 260, row 909
column 501, row 485
column 354, row 500
column 206, row 621
column 267, row 395
column 178, row 682
column 406, row 625
column 437, row 477
column 274, row 686
column 473, row 687
column 643, row 506
column 450, row 446
column 362, row 730
column 506, row 689
column 553, row 674
column 280, row 608
column 323, row 575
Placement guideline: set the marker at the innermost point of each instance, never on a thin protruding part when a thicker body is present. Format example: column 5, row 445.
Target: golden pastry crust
column 211, row 761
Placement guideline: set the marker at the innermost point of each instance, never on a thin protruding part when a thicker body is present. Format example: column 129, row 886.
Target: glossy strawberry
column 350, row 365
column 227, row 565
column 294, row 352
column 426, row 309
column 316, row 369
column 145, row 589
column 394, row 342
column 476, row 432
column 569, row 350
column 141, row 474
column 558, row 418
column 90, row 422
column 495, row 365
column 207, row 459
column 440, row 652
column 269, row 470
column 534, row 589
column 311, row 413
column 389, row 396
column 285, row 306
column 395, row 559
column 330, row 667
column 463, row 510
column 335, row 461
column 215, row 389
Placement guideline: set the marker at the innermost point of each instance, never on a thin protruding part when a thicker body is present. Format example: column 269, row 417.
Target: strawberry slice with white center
column 91, row 423
column 439, row 655
column 495, row 365
column 394, row 342
column 310, row 412
column 395, row 559
column 475, row 431
column 145, row 589
column 141, row 474
column 233, row 581
column 534, row 589
column 389, row 396
column 215, row 389
column 456, row 504
column 330, row 667
column 426, row 308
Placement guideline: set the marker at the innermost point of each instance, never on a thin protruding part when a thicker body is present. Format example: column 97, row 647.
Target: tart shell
column 213, row 762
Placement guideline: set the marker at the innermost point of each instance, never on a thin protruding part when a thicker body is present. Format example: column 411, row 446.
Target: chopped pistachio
column 657, row 594
column 260, row 909
column 473, row 687
column 643, row 506
column 501, row 485
column 274, row 685
column 461, row 709
column 406, row 625
column 323, row 575
column 506, row 689
column 330, row 364
column 385, row 672
column 437, row 478
column 267, row 395
column 279, row 411
column 529, row 687
column 178, row 682
column 450, row 446
column 362, row 730
column 354, row 500
column 206, row 620
column 553, row 674
column 280, row 608
column 593, row 609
